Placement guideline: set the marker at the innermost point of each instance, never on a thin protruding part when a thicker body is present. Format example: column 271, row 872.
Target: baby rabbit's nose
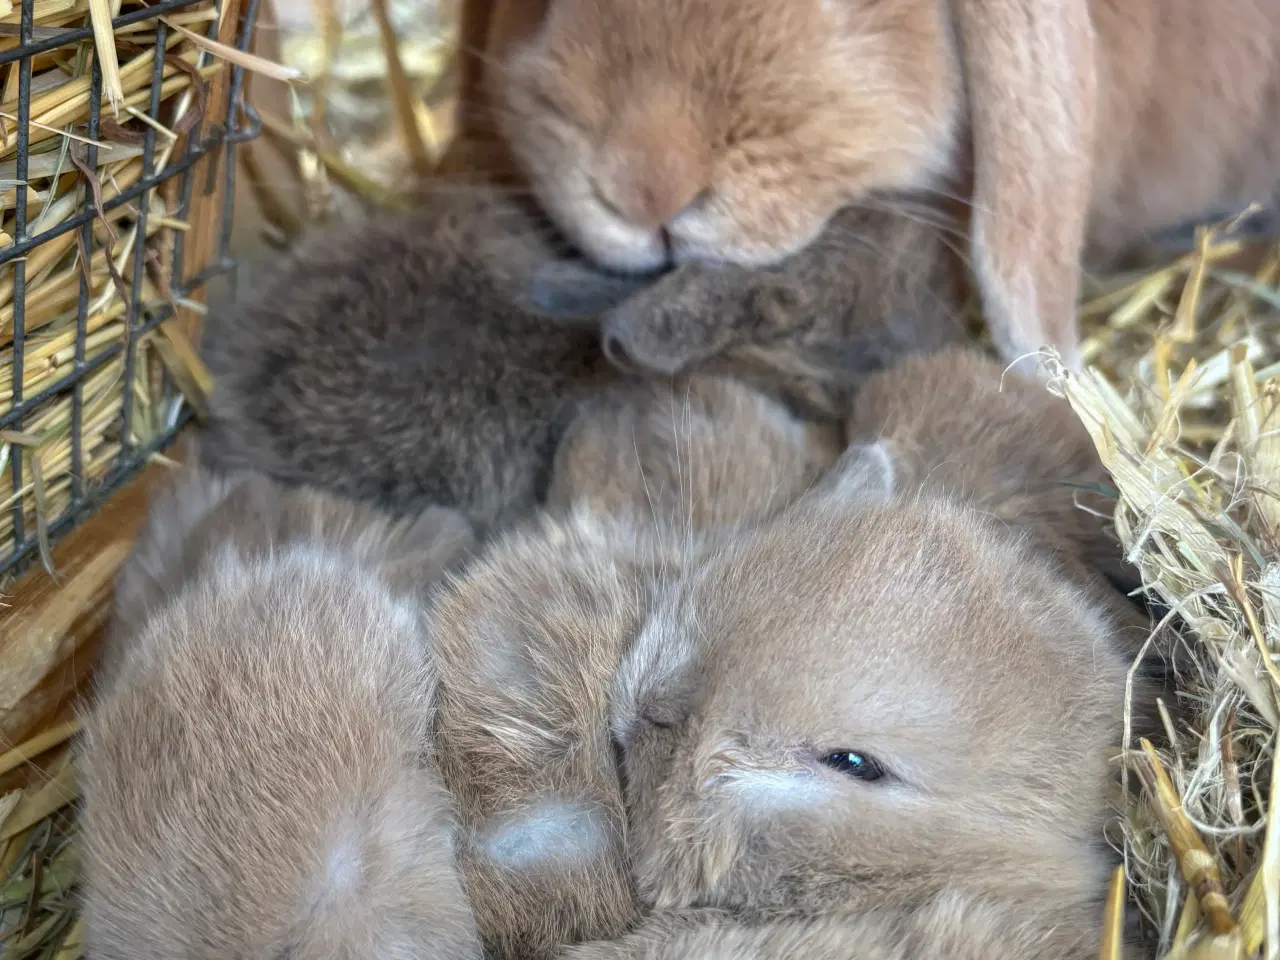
column 616, row 352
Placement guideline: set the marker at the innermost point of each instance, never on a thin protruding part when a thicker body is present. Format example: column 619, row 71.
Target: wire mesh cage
column 117, row 136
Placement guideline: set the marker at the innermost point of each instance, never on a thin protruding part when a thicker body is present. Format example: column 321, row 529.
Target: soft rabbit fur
column 872, row 287
column 530, row 638
column 409, row 364
column 732, row 129
column 258, row 771
column 922, row 635
column 398, row 365
column 704, row 457
column 958, row 423
column 953, row 927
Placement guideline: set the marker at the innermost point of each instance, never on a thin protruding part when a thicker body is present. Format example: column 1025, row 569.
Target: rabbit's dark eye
column 854, row 764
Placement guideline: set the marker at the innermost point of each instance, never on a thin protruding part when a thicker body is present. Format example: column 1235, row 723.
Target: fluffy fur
column 917, row 632
column 951, row 926
column 531, row 637
column 257, row 769
column 871, row 288
column 528, row 640
column 410, row 364
column 703, row 457
column 732, row 129
column 956, row 423
column 400, row 367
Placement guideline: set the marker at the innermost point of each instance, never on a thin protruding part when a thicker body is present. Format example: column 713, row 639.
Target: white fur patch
column 551, row 832
column 776, row 789
column 344, row 869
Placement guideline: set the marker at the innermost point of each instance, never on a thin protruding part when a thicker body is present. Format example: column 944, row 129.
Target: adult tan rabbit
column 732, row 129
column 258, row 771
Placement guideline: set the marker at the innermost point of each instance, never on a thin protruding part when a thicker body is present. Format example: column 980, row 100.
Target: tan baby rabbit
column 531, row 635
column 732, row 129
column 702, row 455
column 958, row 423
column 865, row 703
column 257, row 769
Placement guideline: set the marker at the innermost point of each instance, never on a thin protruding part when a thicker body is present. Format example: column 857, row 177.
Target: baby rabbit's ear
column 864, row 473
column 157, row 564
column 1032, row 85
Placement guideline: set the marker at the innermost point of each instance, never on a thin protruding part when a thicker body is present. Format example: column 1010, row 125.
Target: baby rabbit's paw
column 697, row 313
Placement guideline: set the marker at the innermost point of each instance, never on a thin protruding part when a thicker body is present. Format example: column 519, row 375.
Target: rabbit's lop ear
column 864, row 473
column 1032, row 86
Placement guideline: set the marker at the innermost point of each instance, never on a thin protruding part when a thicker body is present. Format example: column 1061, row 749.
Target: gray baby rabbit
column 397, row 365
column 417, row 360
column 873, row 286
column 531, row 635
column 258, row 772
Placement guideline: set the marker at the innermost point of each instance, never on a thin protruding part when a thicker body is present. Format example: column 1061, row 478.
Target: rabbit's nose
column 616, row 352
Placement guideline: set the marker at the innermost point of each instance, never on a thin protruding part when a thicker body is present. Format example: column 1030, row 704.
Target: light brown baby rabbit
column 732, row 129
column 531, row 635
column 877, row 697
column 702, row 455
column 257, row 769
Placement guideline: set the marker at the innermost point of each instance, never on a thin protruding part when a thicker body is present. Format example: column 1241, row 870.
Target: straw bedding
column 1184, row 407
column 59, row 145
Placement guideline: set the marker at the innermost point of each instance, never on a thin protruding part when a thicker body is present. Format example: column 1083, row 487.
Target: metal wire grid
column 241, row 124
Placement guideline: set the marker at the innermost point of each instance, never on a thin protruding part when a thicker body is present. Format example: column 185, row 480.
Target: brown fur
column 915, row 630
column 952, row 927
column 704, row 456
column 398, row 366
column 958, row 424
column 257, row 768
column 528, row 641
column 732, row 129
column 872, row 287
column 407, row 364
column 531, row 636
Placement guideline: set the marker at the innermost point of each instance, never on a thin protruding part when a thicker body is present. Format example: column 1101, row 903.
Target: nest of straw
column 1184, row 408
column 1182, row 404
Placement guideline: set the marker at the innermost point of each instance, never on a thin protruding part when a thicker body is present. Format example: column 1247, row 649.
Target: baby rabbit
column 399, row 367
column 531, row 636
column 654, row 130
column 703, row 456
column 257, row 770
column 866, row 702
column 872, row 287
column 412, row 364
